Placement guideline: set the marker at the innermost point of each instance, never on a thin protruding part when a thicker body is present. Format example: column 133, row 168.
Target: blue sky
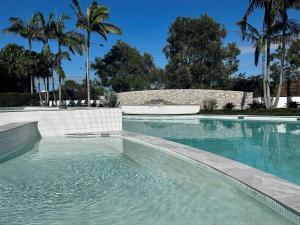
column 144, row 23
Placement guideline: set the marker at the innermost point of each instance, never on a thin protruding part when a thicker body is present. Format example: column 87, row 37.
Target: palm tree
column 26, row 30
column 270, row 7
column 72, row 40
column 289, row 31
column 93, row 21
column 56, row 60
column 250, row 33
column 45, row 32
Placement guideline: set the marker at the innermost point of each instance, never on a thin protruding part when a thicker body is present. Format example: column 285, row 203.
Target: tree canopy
column 197, row 57
column 124, row 68
column 17, row 65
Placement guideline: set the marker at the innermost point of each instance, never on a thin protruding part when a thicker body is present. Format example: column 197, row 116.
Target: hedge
column 19, row 99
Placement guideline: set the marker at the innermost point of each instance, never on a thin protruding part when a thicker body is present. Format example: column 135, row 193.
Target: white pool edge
column 280, row 195
column 222, row 117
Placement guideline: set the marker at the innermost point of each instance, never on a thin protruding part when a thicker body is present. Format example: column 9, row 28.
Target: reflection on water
column 273, row 147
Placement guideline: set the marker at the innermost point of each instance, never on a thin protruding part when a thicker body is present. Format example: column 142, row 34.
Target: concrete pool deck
column 274, row 192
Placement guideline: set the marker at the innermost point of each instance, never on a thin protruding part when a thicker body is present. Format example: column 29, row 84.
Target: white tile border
column 60, row 122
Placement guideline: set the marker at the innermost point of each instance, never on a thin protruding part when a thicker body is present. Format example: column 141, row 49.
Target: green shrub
column 229, row 106
column 94, row 103
column 72, row 103
column 256, row 105
column 292, row 105
column 210, row 105
column 110, row 99
column 19, row 99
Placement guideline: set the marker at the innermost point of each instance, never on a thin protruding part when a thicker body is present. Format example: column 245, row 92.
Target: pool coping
column 276, row 193
column 216, row 116
column 283, row 192
column 11, row 126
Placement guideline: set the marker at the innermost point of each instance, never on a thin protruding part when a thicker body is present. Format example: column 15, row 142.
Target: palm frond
column 100, row 29
column 99, row 14
column 257, row 52
column 111, row 28
column 76, row 7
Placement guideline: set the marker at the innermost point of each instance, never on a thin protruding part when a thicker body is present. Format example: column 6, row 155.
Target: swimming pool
column 114, row 181
column 273, row 147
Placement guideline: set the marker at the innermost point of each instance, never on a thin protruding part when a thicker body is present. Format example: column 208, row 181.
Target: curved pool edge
column 15, row 136
column 278, row 194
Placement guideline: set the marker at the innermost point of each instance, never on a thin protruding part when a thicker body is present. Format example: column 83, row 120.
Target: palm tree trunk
column 263, row 64
column 88, row 68
column 31, row 78
column 59, row 92
column 269, row 100
column 282, row 62
column 45, row 91
column 59, row 78
column 53, row 91
column 48, row 91
column 39, row 86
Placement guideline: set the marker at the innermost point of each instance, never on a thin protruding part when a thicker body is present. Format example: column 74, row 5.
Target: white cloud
column 246, row 49
column 250, row 50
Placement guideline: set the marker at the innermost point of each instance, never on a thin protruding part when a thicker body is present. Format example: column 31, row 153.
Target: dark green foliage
column 229, row 106
column 291, row 68
column 123, row 68
column 110, row 99
column 19, row 99
column 73, row 90
column 16, row 67
column 256, row 105
column 241, row 82
column 94, row 104
column 196, row 55
column 292, row 104
column 72, row 103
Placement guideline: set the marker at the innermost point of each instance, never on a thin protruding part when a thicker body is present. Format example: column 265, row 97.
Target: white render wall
column 283, row 101
column 161, row 109
column 61, row 122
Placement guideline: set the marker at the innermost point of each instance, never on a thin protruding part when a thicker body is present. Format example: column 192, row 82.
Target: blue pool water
column 113, row 181
column 273, row 147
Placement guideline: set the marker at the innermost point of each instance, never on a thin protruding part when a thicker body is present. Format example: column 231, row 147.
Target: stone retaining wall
column 186, row 97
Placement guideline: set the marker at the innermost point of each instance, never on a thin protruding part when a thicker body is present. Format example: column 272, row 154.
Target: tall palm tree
column 93, row 21
column 56, row 66
column 45, row 32
column 72, row 40
column 250, row 33
column 270, row 7
column 289, row 31
column 26, row 30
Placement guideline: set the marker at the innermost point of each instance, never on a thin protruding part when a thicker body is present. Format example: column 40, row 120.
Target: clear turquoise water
column 273, row 147
column 108, row 181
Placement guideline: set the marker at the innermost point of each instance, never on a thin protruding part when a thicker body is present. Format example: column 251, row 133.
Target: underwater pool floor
column 72, row 180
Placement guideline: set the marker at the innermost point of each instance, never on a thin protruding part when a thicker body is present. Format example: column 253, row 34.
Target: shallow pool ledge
column 278, row 194
column 14, row 136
